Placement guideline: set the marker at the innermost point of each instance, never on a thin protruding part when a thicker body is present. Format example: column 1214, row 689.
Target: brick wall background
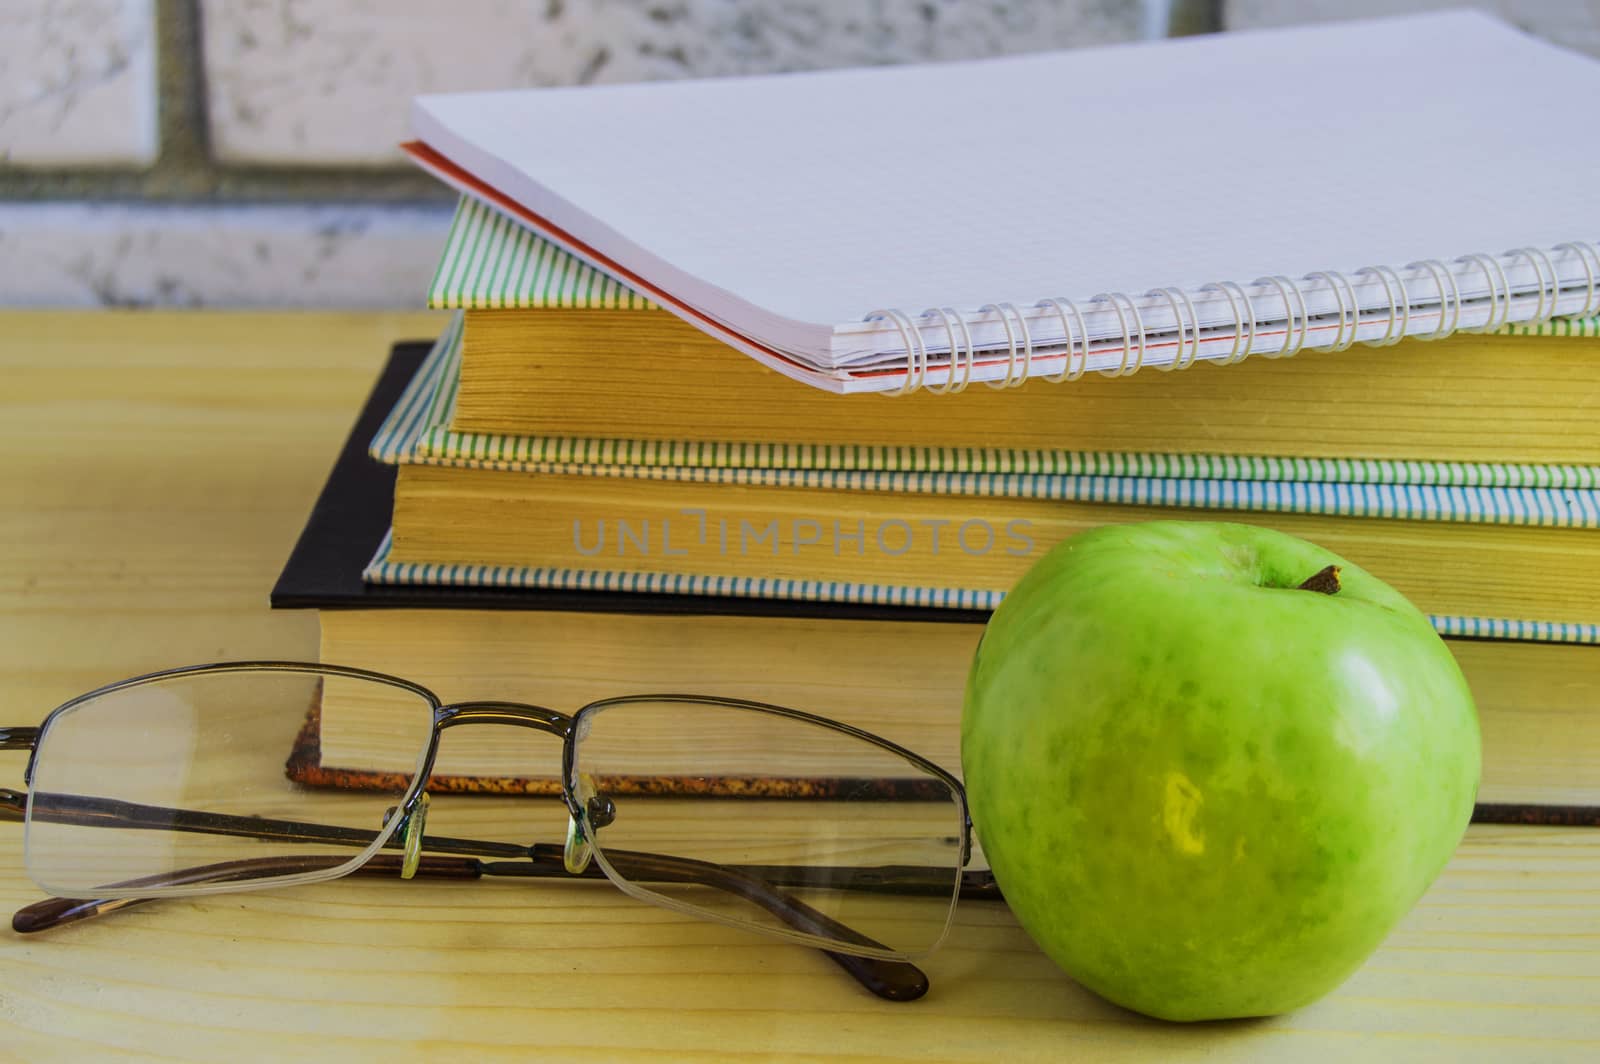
column 241, row 152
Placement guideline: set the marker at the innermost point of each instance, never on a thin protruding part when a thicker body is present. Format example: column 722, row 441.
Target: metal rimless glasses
column 798, row 827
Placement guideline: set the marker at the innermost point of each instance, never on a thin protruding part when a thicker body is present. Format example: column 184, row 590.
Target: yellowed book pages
column 1538, row 703
column 1468, row 398
column 444, row 515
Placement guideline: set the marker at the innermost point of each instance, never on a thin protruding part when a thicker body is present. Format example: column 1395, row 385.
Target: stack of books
column 638, row 461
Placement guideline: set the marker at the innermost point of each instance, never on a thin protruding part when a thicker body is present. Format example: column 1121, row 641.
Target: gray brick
column 329, row 81
column 1574, row 23
column 61, row 254
column 77, row 83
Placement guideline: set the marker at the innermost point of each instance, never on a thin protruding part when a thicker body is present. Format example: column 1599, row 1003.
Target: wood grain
column 154, row 470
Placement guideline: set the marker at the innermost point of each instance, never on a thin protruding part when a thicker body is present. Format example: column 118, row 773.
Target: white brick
column 56, row 254
column 330, row 81
column 1574, row 23
column 77, row 83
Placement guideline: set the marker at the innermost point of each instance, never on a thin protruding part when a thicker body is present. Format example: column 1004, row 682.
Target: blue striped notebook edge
column 1551, row 496
column 383, row 571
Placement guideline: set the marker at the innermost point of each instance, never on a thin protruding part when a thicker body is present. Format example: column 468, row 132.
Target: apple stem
column 1325, row 581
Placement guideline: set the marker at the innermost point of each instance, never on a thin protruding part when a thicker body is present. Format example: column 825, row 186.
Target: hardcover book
column 417, row 432
column 899, row 672
column 961, row 539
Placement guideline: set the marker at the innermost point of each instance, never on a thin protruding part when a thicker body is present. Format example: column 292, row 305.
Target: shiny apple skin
column 1204, row 792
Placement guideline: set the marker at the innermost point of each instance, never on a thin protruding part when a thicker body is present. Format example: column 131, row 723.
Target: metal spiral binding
column 1241, row 348
column 1442, row 277
column 1589, row 256
column 1291, row 342
column 1016, row 372
column 916, row 350
column 1118, row 301
column 952, row 321
column 1189, row 335
column 1062, row 307
column 1399, row 304
column 1349, row 315
column 1133, row 337
column 1499, row 296
column 1548, row 292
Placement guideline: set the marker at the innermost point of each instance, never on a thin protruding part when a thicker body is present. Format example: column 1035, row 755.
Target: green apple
column 1205, row 790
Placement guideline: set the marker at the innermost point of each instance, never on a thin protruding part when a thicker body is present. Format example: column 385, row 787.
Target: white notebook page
column 790, row 207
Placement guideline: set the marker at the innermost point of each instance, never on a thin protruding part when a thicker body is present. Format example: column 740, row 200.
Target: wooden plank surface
column 154, row 469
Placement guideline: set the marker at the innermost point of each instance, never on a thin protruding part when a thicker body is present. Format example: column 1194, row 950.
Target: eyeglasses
column 751, row 815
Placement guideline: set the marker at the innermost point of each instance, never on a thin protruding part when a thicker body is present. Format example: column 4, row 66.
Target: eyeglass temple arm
column 896, row 980
column 51, row 913
column 114, row 813
column 90, row 812
column 18, row 738
column 892, row 980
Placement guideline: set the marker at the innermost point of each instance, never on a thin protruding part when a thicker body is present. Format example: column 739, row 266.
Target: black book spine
column 352, row 515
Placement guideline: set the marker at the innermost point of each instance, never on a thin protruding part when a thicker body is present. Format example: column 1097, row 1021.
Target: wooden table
column 154, row 470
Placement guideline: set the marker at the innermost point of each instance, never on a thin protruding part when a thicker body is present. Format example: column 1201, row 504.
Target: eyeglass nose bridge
column 518, row 715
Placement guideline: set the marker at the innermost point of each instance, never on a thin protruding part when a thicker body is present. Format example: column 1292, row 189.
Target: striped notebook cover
column 491, row 261
column 1555, row 496
column 382, row 571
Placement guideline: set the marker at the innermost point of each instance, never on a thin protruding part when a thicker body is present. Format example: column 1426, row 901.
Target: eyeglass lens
column 178, row 785
column 859, row 833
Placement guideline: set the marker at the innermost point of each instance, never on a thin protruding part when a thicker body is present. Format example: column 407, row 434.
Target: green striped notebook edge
column 491, row 261
column 1538, row 507
column 417, row 432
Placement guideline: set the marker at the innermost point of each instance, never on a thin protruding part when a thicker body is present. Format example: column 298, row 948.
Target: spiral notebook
column 530, row 388
column 1052, row 214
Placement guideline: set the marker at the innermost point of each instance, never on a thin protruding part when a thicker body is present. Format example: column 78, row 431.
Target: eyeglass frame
column 887, row 973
